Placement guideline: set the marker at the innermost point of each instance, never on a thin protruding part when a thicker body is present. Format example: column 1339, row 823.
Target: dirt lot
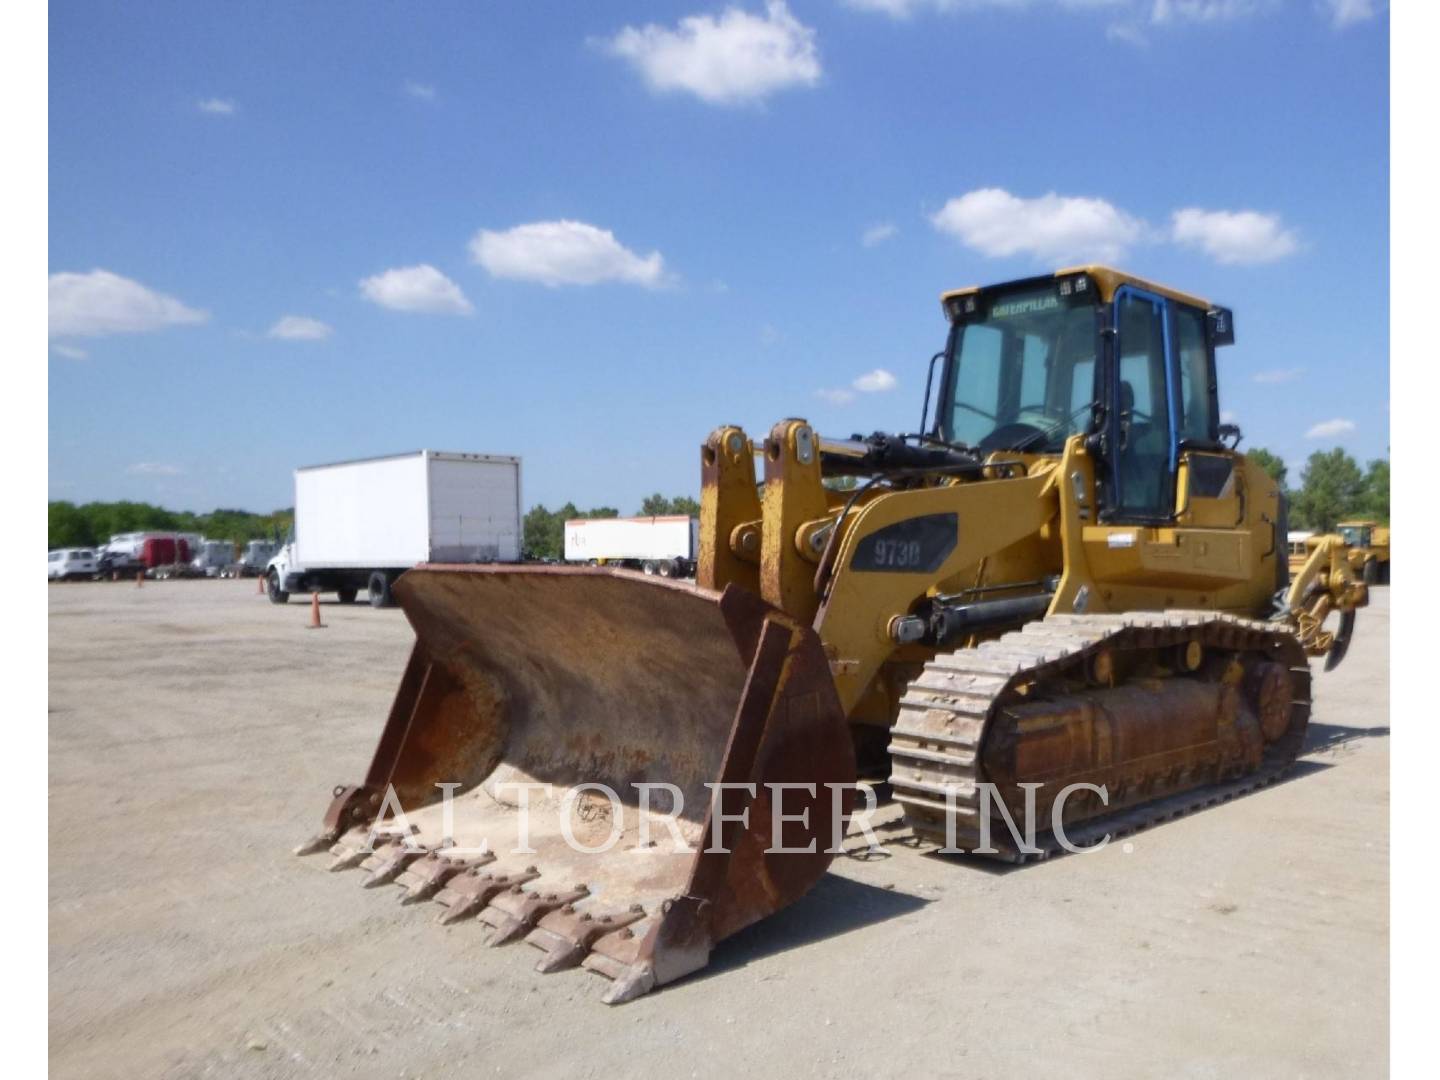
column 195, row 732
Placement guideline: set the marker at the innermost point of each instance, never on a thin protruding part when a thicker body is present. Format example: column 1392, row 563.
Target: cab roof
column 1107, row 278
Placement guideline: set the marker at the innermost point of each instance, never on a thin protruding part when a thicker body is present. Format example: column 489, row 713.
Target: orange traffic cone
column 139, row 578
column 315, row 623
column 260, row 585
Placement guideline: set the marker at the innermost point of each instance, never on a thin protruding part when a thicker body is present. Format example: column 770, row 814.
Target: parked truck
column 361, row 524
column 253, row 559
column 657, row 545
column 127, row 554
column 212, row 557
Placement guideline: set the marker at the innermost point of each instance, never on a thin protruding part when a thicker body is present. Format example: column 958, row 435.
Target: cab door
column 1144, row 449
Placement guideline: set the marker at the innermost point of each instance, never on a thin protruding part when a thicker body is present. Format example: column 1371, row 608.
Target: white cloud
column 420, row 91
column 153, row 468
column 734, row 58
column 897, row 9
column 420, row 289
column 1228, row 417
column 1329, row 428
column 99, row 303
column 1281, row 375
column 564, row 253
column 300, row 328
column 216, row 106
column 903, row 9
column 1345, row 13
column 1234, row 236
column 878, row 234
column 1128, row 33
column 1207, row 10
column 1051, row 228
column 69, row 352
column 1160, row 12
column 874, row 382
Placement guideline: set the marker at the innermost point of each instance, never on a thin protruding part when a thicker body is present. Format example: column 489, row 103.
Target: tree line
column 92, row 524
column 1333, row 487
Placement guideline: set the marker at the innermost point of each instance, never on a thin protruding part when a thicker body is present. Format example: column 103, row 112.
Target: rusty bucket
column 620, row 769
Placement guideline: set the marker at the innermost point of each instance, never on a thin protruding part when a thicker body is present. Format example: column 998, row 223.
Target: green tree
column 545, row 529
column 1273, row 464
column 92, row 524
column 69, row 527
column 1375, row 504
column 658, row 505
column 1331, row 489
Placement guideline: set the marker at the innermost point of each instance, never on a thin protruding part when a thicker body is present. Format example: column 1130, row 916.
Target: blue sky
column 589, row 233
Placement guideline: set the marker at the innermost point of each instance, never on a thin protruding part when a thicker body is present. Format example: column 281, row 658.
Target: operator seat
column 1144, row 459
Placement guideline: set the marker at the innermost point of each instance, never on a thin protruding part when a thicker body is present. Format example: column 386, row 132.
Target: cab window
column 1196, row 417
column 1145, row 465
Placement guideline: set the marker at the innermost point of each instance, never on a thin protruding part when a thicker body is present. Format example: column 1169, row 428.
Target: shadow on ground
column 895, row 834
column 836, row 905
column 1322, row 737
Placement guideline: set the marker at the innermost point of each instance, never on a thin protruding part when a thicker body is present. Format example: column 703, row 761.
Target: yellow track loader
column 1060, row 610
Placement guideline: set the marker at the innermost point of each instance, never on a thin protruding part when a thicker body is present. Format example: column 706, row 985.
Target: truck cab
column 1369, row 549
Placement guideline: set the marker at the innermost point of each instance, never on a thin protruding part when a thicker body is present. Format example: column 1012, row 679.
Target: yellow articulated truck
column 1060, row 609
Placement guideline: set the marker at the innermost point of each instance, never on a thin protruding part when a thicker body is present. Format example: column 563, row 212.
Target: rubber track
column 944, row 713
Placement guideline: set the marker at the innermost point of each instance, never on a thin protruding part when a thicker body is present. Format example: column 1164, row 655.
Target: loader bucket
column 610, row 745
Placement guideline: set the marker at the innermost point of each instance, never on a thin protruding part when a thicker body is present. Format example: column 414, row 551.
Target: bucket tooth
column 359, row 845
column 636, row 982
column 348, row 806
column 566, row 935
column 617, row 956
column 387, row 862
column 426, row 876
column 349, row 853
column 467, row 894
column 513, row 913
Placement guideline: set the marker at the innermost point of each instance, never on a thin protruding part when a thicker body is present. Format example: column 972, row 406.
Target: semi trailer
column 361, row 524
column 657, row 545
column 127, row 554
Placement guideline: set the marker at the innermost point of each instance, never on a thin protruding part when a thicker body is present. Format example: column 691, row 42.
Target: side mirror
column 1220, row 326
column 1231, row 432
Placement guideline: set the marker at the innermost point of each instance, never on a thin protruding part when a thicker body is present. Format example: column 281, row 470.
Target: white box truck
column 657, row 545
column 361, row 524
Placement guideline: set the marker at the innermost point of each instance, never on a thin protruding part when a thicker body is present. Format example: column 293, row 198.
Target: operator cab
column 1092, row 352
column 1355, row 534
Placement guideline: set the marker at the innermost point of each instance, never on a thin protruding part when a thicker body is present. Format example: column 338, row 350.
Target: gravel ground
column 196, row 731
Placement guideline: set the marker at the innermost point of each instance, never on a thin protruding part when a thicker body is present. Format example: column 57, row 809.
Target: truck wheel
column 380, row 589
column 1372, row 571
column 666, row 568
column 272, row 589
column 648, row 567
column 347, row 595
